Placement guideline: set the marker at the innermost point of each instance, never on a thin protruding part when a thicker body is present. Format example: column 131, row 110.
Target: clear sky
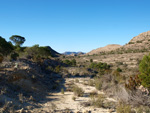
column 74, row 25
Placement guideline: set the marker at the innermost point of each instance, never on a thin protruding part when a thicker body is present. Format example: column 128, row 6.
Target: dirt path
column 63, row 102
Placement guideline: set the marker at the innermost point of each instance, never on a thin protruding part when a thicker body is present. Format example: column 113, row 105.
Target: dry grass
column 91, row 82
column 98, row 84
column 123, row 108
column 78, row 91
column 98, row 102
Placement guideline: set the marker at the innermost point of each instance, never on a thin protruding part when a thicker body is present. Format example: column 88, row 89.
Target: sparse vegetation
column 99, row 101
column 74, row 98
column 98, row 84
column 123, row 108
column 62, row 91
column 70, row 63
column 78, row 91
column 77, row 80
column 91, row 82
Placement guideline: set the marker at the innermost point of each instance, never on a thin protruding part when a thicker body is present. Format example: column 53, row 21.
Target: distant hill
column 73, row 53
column 138, row 43
column 104, row 49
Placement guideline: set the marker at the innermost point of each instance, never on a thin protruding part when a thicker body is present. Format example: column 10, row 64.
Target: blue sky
column 74, row 25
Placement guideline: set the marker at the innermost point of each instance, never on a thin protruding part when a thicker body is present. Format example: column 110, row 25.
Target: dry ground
column 63, row 102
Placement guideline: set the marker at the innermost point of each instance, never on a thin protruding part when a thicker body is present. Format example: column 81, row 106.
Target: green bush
column 91, row 60
column 119, row 70
column 131, row 42
column 5, row 47
column 14, row 56
column 70, row 62
column 144, row 69
column 100, row 66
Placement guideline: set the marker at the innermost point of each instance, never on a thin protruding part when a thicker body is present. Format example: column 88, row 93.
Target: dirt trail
column 63, row 102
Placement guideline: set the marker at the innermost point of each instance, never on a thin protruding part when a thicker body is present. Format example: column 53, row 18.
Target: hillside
column 104, row 49
column 142, row 41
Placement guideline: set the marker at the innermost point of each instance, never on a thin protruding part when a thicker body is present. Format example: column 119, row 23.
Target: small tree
column 5, row 47
column 73, row 62
column 17, row 40
column 144, row 68
column 91, row 60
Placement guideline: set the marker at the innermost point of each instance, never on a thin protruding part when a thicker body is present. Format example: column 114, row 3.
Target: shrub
column 143, row 109
column 93, row 94
column 119, row 70
column 14, row 56
column 131, row 42
column 62, row 90
column 74, row 98
column 57, row 69
column 122, row 108
column 5, row 47
column 133, row 82
column 91, row 82
column 98, row 102
column 119, row 63
column 100, row 66
column 98, row 84
column 71, row 63
column 91, row 60
column 78, row 91
column 139, row 41
column 110, row 105
column 77, row 80
column 144, row 68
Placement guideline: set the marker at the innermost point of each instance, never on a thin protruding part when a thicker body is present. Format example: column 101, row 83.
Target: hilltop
column 142, row 41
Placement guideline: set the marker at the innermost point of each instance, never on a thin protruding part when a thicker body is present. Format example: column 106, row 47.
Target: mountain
column 104, row 49
column 73, row 53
